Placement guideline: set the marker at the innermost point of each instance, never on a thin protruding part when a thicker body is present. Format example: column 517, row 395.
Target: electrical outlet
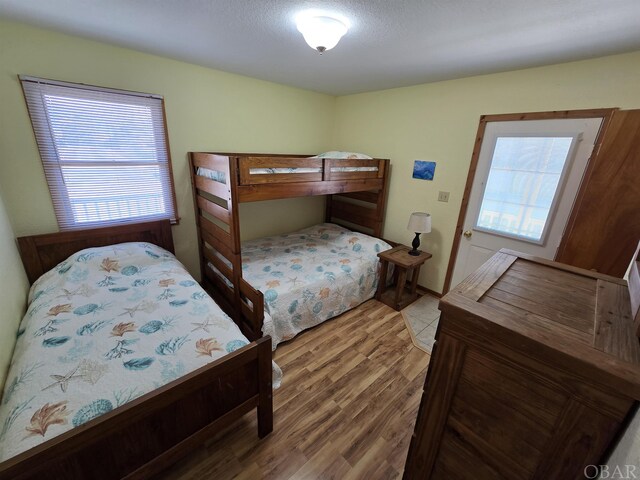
column 443, row 196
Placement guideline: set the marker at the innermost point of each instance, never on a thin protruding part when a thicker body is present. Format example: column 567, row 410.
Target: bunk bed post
column 194, row 191
column 383, row 173
column 326, row 175
column 326, row 169
column 265, row 387
column 327, row 208
column 234, row 231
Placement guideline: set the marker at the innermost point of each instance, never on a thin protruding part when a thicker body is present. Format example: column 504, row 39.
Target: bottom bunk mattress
column 106, row 326
column 311, row 275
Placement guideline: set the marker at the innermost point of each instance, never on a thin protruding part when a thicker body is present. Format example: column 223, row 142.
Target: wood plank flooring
column 345, row 410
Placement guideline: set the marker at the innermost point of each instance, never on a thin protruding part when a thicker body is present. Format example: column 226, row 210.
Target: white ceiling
column 391, row 43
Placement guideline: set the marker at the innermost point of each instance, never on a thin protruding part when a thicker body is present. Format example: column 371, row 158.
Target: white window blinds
column 104, row 152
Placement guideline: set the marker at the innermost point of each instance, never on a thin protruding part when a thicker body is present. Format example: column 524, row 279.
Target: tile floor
column 422, row 318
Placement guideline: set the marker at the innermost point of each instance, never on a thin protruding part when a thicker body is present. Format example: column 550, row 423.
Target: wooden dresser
column 535, row 367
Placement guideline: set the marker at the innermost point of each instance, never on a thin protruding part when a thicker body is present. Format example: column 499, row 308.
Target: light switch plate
column 443, row 196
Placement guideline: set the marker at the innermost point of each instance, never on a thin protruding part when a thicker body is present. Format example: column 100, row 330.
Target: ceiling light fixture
column 321, row 32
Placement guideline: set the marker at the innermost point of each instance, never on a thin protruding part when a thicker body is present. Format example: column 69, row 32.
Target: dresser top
column 576, row 316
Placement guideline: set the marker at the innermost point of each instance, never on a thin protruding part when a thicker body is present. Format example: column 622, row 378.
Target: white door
column 527, row 178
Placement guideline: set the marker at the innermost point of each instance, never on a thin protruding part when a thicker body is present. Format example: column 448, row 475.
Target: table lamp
column 419, row 223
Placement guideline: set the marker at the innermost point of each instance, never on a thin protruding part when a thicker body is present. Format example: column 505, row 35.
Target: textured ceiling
column 390, row 43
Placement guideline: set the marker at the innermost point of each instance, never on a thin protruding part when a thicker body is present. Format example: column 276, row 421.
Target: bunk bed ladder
column 218, row 229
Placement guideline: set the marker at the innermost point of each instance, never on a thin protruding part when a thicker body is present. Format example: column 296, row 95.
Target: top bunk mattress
column 104, row 327
column 311, row 275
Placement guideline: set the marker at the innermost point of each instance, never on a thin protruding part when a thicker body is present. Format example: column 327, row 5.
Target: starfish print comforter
column 311, row 275
column 102, row 328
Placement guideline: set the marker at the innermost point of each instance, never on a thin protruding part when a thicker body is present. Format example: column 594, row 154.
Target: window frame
column 55, row 181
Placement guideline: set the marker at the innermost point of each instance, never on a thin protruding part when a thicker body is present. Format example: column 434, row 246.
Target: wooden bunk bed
column 356, row 194
column 142, row 437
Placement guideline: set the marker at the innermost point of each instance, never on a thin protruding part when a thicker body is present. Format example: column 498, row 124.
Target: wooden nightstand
column 401, row 296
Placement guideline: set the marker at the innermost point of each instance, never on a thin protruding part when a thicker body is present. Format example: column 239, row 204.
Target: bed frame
column 144, row 436
column 356, row 200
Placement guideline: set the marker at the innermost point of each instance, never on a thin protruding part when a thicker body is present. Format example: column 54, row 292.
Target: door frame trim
column 605, row 113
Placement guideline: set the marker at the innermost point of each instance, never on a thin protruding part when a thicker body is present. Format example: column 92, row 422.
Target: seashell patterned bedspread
column 102, row 328
column 311, row 275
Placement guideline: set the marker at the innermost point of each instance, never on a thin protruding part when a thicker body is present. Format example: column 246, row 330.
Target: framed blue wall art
column 424, row 170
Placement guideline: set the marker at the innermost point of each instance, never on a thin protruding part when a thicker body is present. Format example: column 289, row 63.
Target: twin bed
column 123, row 363
column 122, row 344
column 310, row 276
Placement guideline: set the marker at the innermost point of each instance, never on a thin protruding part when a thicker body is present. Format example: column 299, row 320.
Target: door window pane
column 524, row 177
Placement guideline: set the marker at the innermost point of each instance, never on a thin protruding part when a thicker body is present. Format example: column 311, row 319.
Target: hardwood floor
column 345, row 410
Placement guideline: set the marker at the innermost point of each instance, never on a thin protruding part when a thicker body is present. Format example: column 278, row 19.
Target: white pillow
column 336, row 154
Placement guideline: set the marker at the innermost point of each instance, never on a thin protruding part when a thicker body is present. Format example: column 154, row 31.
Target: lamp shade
column 419, row 222
column 321, row 32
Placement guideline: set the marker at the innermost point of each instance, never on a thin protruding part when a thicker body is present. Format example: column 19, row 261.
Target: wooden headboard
column 40, row 253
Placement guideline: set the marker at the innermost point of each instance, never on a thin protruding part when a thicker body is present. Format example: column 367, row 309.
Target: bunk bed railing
column 253, row 170
column 258, row 170
column 338, row 169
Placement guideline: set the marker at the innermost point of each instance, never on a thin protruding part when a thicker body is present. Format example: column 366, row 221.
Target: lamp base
column 415, row 244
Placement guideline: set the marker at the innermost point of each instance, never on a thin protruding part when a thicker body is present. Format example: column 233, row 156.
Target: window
column 525, row 176
column 104, row 152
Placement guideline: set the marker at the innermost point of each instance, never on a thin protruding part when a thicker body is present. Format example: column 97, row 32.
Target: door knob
column 467, row 233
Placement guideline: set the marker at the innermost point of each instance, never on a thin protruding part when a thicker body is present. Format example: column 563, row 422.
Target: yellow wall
column 206, row 110
column 13, row 294
column 438, row 122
